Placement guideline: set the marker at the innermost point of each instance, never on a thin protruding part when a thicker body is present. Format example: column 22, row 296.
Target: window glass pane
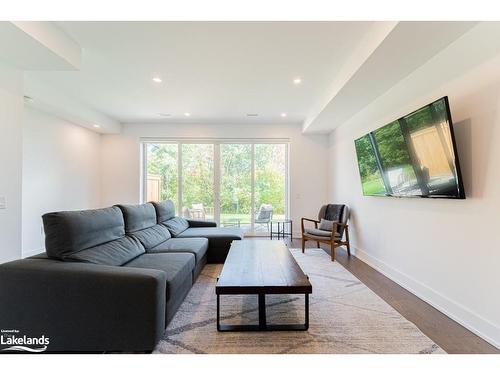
column 198, row 181
column 161, row 179
column 270, row 184
column 236, row 185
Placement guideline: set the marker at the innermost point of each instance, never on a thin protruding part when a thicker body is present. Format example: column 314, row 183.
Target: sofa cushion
column 153, row 236
column 69, row 232
column 177, row 225
column 230, row 233
column 138, row 216
column 165, row 210
column 178, row 268
column 113, row 253
column 140, row 223
column 196, row 246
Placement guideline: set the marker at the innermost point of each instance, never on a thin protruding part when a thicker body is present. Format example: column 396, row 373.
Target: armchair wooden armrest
column 311, row 220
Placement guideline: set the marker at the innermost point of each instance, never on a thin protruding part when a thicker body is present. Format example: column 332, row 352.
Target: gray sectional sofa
column 111, row 279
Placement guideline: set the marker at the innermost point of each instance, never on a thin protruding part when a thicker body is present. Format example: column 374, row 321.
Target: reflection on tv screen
column 412, row 156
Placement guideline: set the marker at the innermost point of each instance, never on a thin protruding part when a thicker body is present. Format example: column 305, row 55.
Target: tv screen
column 414, row 156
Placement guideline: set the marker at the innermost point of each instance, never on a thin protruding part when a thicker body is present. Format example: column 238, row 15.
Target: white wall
column 445, row 251
column 121, row 160
column 61, row 171
column 11, row 107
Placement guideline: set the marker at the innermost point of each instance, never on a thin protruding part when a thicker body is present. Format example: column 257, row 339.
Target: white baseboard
column 459, row 313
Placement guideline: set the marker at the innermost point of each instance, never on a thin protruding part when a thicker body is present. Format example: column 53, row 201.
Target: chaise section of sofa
column 219, row 239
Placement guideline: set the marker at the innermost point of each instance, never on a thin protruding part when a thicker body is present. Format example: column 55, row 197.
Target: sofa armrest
column 201, row 223
column 83, row 307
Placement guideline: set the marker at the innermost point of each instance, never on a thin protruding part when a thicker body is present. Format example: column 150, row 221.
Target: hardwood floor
column 448, row 334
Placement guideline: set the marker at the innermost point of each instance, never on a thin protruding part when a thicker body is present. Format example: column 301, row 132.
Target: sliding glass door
column 197, row 181
column 161, row 177
column 236, row 185
column 242, row 184
column 270, row 184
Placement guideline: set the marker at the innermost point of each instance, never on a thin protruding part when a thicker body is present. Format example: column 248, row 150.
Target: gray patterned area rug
column 345, row 317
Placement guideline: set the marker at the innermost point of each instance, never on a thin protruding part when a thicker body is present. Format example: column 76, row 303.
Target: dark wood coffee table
column 262, row 267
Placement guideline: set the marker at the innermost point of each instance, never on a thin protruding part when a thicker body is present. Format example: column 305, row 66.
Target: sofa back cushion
column 176, row 225
column 114, row 253
column 140, row 223
column 165, row 210
column 70, row 232
column 138, row 216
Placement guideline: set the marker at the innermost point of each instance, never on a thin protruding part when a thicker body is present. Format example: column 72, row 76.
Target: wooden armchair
column 334, row 238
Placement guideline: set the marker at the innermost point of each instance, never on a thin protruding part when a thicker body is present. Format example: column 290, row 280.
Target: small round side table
column 284, row 229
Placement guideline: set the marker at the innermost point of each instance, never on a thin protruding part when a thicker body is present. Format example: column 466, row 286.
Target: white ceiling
column 217, row 71
column 221, row 71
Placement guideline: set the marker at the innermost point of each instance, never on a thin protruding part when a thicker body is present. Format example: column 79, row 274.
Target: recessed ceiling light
column 187, row 114
column 283, row 114
column 96, row 126
column 157, row 79
column 164, row 114
column 252, row 114
column 297, row 81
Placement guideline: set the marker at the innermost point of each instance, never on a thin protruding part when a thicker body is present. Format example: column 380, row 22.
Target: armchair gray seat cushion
column 318, row 232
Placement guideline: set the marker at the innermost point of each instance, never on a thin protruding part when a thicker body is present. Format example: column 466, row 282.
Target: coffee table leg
column 218, row 312
column 306, row 325
column 263, row 326
column 262, row 311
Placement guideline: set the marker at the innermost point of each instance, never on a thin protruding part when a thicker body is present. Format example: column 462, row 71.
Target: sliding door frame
column 144, row 141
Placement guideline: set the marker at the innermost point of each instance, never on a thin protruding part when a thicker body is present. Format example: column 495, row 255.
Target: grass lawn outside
column 373, row 187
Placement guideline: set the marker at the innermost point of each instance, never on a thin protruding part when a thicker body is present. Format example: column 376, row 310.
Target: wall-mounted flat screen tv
column 414, row 156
